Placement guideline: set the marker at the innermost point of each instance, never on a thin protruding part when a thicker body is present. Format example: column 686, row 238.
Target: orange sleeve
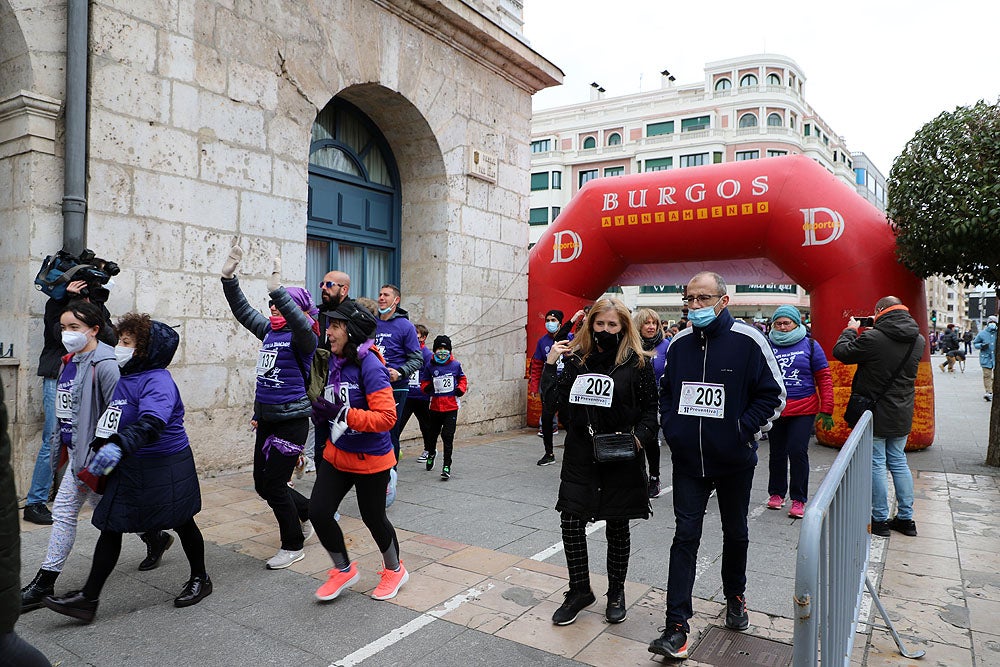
column 380, row 415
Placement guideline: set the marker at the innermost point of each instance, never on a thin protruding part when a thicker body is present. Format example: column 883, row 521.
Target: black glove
column 97, row 443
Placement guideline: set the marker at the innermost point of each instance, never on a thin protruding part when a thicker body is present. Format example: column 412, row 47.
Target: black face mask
column 607, row 341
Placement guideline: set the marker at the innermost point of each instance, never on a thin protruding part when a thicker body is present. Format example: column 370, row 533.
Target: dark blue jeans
column 690, row 496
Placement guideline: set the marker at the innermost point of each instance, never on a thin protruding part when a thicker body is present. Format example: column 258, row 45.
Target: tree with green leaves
column 944, row 207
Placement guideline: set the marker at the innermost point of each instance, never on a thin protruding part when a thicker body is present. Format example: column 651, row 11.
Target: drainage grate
column 725, row 648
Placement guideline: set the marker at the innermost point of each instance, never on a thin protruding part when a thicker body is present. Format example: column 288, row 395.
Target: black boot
column 616, row 611
column 156, row 544
column 73, row 604
column 39, row 587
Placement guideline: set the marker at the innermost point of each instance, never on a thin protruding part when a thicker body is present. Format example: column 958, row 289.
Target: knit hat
column 442, row 341
column 360, row 323
column 991, row 318
column 558, row 314
column 791, row 312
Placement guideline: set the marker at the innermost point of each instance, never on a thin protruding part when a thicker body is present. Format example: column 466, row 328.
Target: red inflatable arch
column 778, row 220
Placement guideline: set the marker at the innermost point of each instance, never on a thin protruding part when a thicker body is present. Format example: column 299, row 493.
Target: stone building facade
column 202, row 122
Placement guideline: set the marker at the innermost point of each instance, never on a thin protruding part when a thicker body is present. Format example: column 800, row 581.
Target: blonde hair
column 583, row 343
column 640, row 316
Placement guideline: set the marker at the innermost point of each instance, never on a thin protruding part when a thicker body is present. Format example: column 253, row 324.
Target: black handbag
column 613, row 447
column 857, row 403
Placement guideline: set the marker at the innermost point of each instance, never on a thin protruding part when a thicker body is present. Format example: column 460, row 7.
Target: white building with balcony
column 745, row 108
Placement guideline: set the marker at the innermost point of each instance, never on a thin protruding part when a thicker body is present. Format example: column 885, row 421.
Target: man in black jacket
column 949, row 345
column 894, row 342
column 49, row 362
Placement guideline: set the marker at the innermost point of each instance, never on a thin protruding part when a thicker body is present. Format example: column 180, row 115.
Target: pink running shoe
column 775, row 502
column 390, row 583
column 798, row 509
column 337, row 582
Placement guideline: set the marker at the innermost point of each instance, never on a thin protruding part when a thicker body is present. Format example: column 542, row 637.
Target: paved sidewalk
column 483, row 550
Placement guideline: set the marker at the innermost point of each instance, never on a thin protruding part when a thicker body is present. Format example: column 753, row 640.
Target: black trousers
column 574, row 536
column 443, row 424
column 271, row 475
column 329, row 491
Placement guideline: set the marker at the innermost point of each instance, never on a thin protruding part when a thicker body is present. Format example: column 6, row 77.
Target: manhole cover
column 725, row 648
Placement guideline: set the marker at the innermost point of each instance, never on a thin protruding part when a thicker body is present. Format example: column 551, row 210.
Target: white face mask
column 74, row 341
column 123, row 354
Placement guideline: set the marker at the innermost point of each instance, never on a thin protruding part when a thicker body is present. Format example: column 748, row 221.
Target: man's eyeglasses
column 329, row 284
column 701, row 298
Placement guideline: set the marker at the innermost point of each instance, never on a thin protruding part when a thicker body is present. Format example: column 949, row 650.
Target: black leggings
column 328, row 492
column 271, row 475
column 443, row 423
column 109, row 547
column 574, row 536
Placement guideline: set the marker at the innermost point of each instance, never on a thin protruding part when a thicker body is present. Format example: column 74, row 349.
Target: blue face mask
column 441, row 356
column 991, row 327
column 786, row 338
column 702, row 317
column 383, row 311
column 552, row 327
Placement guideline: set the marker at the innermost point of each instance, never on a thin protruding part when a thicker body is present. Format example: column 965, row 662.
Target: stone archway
column 780, row 220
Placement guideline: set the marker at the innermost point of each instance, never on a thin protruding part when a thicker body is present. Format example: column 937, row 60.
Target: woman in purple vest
column 281, row 407
column 144, row 457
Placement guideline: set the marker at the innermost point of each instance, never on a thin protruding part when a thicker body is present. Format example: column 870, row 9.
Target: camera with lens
column 62, row 268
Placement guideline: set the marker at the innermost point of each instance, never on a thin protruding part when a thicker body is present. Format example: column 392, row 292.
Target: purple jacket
column 152, row 393
column 360, row 382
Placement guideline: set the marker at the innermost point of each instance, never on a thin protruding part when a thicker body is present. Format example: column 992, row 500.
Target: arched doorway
column 354, row 201
column 783, row 220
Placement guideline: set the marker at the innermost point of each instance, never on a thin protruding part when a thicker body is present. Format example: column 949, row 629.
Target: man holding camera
column 888, row 355
column 49, row 362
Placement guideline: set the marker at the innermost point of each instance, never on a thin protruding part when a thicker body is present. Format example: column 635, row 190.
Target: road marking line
column 407, row 629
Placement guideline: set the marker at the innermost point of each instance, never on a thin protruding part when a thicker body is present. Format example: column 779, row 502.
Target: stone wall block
column 290, row 179
column 245, row 40
column 230, row 120
column 185, row 200
column 288, row 138
column 168, row 296
column 253, row 85
column 242, row 386
column 213, row 302
column 202, row 386
column 293, row 266
column 137, row 143
column 264, row 215
column 109, row 188
column 140, row 243
column 239, row 167
column 206, row 249
column 177, row 59
column 209, row 69
column 122, row 39
column 221, row 439
column 155, row 12
column 224, row 342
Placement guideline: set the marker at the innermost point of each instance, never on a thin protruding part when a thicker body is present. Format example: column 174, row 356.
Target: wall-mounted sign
column 483, row 165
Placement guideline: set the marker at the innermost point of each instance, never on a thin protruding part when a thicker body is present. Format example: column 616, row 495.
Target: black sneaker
column 38, row 513
column 654, row 487
column 574, row 603
column 547, row 460
column 446, row 472
column 736, row 613
column 905, row 526
column 880, row 528
column 430, row 460
column 673, row 643
column 616, row 611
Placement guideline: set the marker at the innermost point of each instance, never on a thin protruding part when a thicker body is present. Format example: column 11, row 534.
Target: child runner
column 442, row 378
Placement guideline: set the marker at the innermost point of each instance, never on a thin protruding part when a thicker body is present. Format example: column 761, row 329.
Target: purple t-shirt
column 660, row 359
column 396, row 339
column 280, row 367
column 798, row 363
column 416, row 393
column 353, row 387
column 151, row 392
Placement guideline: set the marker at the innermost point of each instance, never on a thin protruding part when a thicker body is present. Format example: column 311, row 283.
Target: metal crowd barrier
column 832, row 561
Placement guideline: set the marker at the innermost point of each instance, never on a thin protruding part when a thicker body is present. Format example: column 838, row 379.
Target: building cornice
column 28, row 123
column 466, row 30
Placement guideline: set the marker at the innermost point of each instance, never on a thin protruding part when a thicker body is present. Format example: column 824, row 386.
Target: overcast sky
column 875, row 71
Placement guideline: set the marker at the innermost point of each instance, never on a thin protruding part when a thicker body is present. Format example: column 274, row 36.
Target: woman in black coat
column 607, row 386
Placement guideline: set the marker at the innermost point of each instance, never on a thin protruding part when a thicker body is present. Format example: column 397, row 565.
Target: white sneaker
column 390, row 490
column 423, row 457
column 284, row 558
column 307, row 530
column 987, row 397
column 310, row 464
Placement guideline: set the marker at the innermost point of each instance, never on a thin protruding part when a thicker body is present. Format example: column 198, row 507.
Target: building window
column 747, row 155
column 541, row 146
column 557, row 180
column 615, row 139
column 555, row 213
column 748, row 80
column 588, row 175
column 695, row 124
column 773, row 79
column 659, row 164
column 826, row 140
column 695, row 160
column 776, row 153
column 613, row 171
column 589, row 142
column 540, row 181
column 717, row 157
column 656, row 129
column 723, row 84
column 748, row 120
column 774, row 120
column 807, row 129
column 538, row 216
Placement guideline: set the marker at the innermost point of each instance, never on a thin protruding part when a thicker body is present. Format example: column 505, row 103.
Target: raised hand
column 232, row 261
column 274, row 281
